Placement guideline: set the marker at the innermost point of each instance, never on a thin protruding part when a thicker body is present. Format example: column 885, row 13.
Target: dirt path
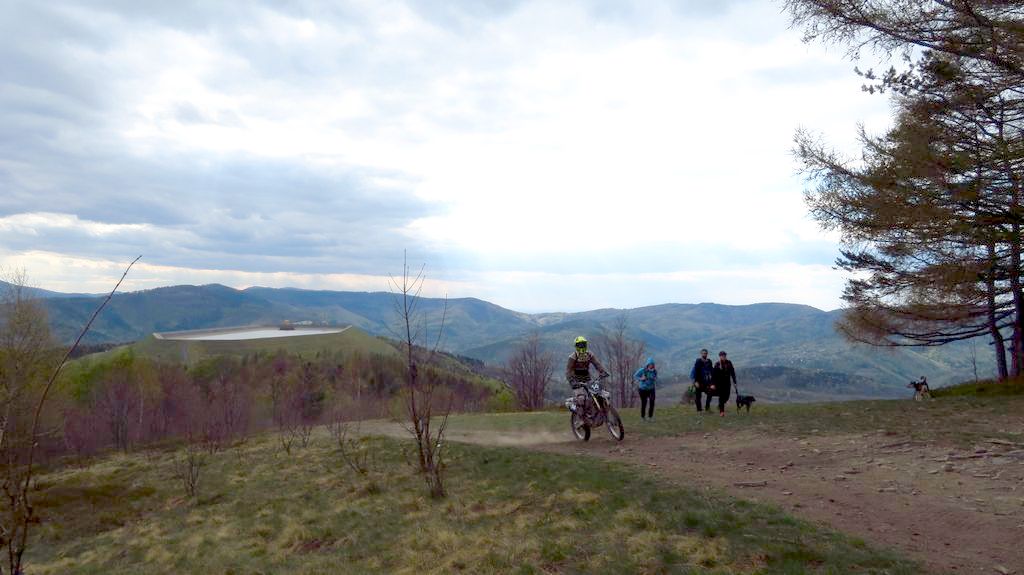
column 956, row 511
column 504, row 438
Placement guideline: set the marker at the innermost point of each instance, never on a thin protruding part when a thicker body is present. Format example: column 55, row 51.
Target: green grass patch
column 956, row 420
column 508, row 511
column 514, row 422
column 984, row 388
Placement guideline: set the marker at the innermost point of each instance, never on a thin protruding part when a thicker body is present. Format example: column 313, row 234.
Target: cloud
column 70, row 274
column 495, row 137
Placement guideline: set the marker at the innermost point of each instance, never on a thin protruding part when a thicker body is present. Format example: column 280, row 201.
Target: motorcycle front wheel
column 579, row 427
column 614, row 423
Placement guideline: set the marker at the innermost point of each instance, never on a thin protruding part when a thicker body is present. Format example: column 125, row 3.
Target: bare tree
column 529, row 371
column 623, row 356
column 225, row 386
column 422, row 393
column 353, row 446
column 283, row 404
column 188, row 465
column 24, row 363
column 25, row 359
column 116, row 404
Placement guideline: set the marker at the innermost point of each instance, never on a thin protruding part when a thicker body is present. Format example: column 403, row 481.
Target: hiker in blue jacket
column 647, row 378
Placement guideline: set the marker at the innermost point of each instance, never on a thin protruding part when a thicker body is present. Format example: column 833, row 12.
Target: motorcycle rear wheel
column 579, row 427
column 614, row 423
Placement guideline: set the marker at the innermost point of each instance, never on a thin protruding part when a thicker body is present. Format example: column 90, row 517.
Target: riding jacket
column 578, row 369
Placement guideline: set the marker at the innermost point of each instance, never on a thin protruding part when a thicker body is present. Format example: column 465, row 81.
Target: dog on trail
column 747, row 400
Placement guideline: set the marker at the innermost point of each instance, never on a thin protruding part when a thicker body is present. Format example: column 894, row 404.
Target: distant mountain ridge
column 793, row 336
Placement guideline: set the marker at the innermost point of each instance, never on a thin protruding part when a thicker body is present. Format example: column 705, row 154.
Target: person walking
column 646, row 381
column 723, row 376
column 701, row 376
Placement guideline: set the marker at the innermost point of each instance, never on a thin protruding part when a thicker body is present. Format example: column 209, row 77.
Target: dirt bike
column 590, row 407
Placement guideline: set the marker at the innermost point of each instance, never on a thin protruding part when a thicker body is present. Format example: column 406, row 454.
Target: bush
column 502, row 401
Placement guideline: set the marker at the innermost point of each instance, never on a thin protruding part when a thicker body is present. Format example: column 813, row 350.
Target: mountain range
column 798, row 343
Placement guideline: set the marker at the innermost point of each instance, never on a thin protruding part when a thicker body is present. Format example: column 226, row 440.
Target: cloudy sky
column 558, row 155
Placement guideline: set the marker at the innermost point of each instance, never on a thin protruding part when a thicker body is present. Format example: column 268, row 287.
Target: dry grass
column 509, row 511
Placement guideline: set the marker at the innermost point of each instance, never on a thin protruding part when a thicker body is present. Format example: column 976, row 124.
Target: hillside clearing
column 509, row 511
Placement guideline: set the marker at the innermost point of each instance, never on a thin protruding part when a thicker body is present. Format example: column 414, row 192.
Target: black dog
column 746, row 400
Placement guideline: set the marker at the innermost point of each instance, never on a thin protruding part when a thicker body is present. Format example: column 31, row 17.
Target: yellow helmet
column 580, row 341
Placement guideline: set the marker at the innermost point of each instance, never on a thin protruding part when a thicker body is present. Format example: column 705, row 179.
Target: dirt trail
column 956, row 511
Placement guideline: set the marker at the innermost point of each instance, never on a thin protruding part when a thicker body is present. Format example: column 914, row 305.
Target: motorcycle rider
column 577, row 373
column 577, row 370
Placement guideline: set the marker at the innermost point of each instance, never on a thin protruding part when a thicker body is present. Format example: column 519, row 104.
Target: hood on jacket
column 650, row 361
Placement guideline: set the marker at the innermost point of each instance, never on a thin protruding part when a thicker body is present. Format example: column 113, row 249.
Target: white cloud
column 546, row 136
column 40, row 223
column 69, row 274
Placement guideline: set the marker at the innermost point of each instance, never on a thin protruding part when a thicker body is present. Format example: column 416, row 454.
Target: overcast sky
column 545, row 156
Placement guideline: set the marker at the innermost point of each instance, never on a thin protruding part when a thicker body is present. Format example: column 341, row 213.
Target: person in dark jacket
column 723, row 376
column 646, row 379
column 701, row 376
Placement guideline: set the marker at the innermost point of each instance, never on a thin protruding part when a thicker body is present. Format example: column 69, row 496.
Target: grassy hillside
column 983, row 388
column 508, row 511
column 191, row 351
column 379, row 358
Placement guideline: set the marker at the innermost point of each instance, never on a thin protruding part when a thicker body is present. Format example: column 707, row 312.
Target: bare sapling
column 282, row 402
column 353, row 446
column 287, row 419
column 309, row 400
column 422, row 393
column 297, row 421
column 25, row 359
column 190, row 463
